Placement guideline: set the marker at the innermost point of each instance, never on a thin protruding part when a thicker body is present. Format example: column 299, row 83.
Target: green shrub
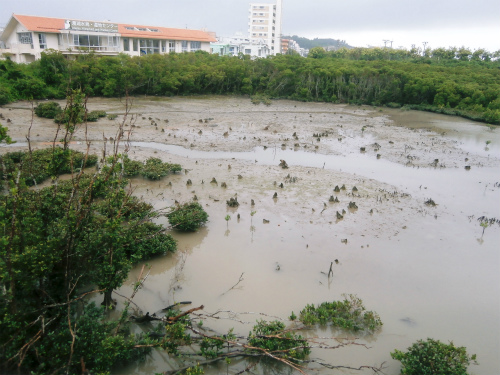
column 42, row 164
column 393, row 105
column 187, row 217
column 112, row 117
column 155, row 169
column 349, row 314
column 95, row 115
column 131, row 167
column 432, row 357
column 153, row 242
column 48, row 110
column 5, row 95
column 273, row 337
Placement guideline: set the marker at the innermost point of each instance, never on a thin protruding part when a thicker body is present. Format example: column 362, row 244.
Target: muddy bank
column 425, row 269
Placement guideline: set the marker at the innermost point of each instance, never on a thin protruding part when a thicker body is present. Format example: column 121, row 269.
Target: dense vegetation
column 318, row 42
column 432, row 357
column 452, row 81
column 187, row 217
column 349, row 314
column 60, row 243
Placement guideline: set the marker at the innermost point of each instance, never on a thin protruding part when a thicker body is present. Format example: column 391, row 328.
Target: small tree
column 187, row 217
column 433, row 357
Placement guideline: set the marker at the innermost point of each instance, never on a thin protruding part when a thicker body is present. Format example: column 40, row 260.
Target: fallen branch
column 239, row 281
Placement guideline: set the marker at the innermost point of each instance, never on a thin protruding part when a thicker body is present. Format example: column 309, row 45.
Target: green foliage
column 57, row 240
column 317, row 42
column 131, row 167
column 74, row 113
column 196, row 370
column 187, row 217
column 5, row 95
column 450, row 81
column 96, row 345
column 212, row 347
column 4, row 135
column 349, row 314
column 48, row 110
column 93, row 116
column 317, row 53
column 264, row 99
column 272, row 337
column 432, row 357
column 41, row 164
column 155, row 169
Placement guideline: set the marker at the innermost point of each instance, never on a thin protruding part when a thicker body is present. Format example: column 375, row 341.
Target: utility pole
column 424, row 43
column 385, row 42
column 391, row 43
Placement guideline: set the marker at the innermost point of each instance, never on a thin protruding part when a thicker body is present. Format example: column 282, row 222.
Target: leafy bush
column 48, row 110
column 187, row 217
column 152, row 242
column 349, row 314
column 272, row 337
column 155, row 169
column 5, row 95
column 42, row 164
column 131, row 167
column 432, row 357
column 95, row 115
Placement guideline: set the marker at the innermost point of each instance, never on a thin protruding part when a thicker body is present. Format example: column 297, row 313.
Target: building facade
column 239, row 44
column 25, row 37
column 265, row 25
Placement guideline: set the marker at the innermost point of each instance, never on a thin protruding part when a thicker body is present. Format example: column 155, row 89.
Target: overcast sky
column 440, row 23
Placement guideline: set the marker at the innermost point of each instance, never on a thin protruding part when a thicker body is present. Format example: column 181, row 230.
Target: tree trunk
column 108, row 301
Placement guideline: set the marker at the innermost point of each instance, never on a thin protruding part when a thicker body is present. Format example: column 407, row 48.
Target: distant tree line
column 318, row 42
column 451, row 81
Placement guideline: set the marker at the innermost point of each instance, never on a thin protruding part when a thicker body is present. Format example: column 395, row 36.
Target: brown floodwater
column 427, row 271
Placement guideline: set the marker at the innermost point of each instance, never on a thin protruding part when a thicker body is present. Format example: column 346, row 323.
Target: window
column 86, row 41
column 248, row 51
column 195, row 46
column 113, row 41
column 149, row 46
column 171, row 46
column 25, row 38
column 134, row 45
column 42, row 41
column 184, row 46
column 126, row 44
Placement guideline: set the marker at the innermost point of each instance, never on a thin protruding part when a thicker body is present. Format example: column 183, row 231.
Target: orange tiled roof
column 54, row 25
column 43, row 24
column 165, row 33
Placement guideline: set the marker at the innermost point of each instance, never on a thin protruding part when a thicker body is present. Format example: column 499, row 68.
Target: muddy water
column 426, row 270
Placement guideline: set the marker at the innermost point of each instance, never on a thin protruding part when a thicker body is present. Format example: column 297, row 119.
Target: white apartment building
column 24, row 38
column 265, row 25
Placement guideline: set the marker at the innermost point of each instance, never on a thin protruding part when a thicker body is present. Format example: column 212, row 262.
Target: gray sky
column 441, row 23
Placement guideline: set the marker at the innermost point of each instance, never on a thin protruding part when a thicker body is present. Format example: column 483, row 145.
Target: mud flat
column 425, row 269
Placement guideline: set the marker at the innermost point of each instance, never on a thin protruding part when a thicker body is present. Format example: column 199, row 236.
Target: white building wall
column 265, row 19
column 25, row 53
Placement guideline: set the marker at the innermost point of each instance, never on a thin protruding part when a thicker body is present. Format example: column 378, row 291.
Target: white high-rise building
column 265, row 25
